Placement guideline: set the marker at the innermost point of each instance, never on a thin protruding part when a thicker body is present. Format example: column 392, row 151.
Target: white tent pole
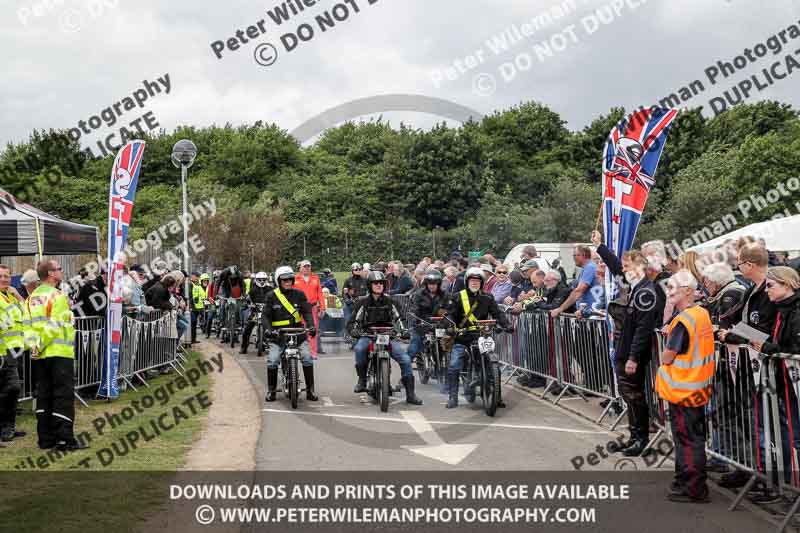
column 39, row 239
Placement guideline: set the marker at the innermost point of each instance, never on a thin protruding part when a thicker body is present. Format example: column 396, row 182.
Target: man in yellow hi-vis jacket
column 685, row 380
column 51, row 323
column 12, row 347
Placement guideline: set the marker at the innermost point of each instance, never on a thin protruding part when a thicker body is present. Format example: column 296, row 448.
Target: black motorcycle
column 290, row 363
column 432, row 360
column 481, row 367
column 379, row 366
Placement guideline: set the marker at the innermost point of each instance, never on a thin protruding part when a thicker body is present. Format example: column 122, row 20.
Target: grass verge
column 121, row 478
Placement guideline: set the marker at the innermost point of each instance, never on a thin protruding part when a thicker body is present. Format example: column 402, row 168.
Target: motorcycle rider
column 287, row 307
column 466, row 308
column 210, row 296
column 377, row 309
column 427, row 301
column 259, row 291
column 354, row 287
column 231, row 285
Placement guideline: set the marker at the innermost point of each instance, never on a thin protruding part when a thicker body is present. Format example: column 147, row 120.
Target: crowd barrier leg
column 139, row 376
column 78, row 397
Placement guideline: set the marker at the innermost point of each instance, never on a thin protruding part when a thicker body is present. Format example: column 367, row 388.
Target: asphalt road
column 347, row 432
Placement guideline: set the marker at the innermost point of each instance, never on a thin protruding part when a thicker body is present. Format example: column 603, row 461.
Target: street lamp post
column 252, row 259
column 183, row 154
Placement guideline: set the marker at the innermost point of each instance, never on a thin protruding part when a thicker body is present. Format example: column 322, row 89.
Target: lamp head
column 183, row 153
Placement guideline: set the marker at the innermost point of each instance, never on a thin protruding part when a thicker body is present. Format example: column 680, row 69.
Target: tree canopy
column 368, row 190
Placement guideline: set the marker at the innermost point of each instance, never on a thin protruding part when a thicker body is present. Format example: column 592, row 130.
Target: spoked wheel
column 434, row 369
column 422, row 368
column 260, row 341
column 232, row 333
column 490, row 390
column 292, row 383
column 384, row 385
column 469, row 389
column 443, row 362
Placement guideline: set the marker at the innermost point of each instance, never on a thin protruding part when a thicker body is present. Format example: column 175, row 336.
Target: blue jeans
column 397, row 353
column 276, row 350
column 182, row 324
column 456, row 359
column 347, row 312
column 415, row 347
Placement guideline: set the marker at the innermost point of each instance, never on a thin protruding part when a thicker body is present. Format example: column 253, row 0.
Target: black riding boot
column 248, row 329
column 411, row 397
column 272, row 383
column 308, row 375
column 361, row 386
column 452, row 388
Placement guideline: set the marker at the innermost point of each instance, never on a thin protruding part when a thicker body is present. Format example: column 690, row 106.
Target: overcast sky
column 80, row 56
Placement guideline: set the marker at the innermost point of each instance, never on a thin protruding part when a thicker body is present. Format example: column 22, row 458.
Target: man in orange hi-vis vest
column 309, row 283
column 685, row 380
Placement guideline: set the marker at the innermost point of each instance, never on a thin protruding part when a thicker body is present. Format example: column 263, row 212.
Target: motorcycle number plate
column 441, row 333
column 382, row 340
column 486, row 344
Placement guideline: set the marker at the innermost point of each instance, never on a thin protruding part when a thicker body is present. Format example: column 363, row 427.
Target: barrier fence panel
column 585, row 361
column 529, row 347
column 149, row 341
column 732, row 409
column 780, row 393
column 656, row 407
column 90, row 339
column 403, row 303
column 26, row 377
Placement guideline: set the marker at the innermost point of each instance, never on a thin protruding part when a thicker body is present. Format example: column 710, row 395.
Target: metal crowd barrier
column 531, row 348
column 753, row 415
column 777, row 419
column 403, row 303
column 149, row 341
column 567, row 352
column 90, row 340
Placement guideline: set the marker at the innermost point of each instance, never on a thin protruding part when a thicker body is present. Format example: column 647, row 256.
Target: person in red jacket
column 309, row 283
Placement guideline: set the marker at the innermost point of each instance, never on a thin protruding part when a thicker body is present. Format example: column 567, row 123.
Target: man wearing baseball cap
column 311, row 286
column 527, row 269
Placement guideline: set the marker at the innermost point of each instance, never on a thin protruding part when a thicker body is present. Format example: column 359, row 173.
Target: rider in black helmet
column 427, row 301
column 377, row 309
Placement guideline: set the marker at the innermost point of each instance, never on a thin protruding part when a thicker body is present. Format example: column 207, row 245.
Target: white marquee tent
column 780, row 235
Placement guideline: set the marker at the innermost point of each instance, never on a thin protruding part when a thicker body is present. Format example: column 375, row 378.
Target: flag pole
column 599, row 216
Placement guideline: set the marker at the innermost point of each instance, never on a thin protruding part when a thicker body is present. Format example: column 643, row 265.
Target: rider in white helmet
column 466, row 308
column 287, row 307
column 257, row 295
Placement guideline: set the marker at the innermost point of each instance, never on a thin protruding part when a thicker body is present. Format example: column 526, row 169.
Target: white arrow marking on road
column 435, row 448
column 327, row 402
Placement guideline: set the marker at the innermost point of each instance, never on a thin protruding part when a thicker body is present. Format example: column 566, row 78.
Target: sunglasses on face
column 773, row 284
column 500, row 272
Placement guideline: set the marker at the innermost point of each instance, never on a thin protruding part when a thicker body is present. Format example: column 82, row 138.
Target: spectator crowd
column 694, row 299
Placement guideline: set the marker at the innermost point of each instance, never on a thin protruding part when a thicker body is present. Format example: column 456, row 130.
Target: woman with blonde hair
column 692, row 262
column 782, row 286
